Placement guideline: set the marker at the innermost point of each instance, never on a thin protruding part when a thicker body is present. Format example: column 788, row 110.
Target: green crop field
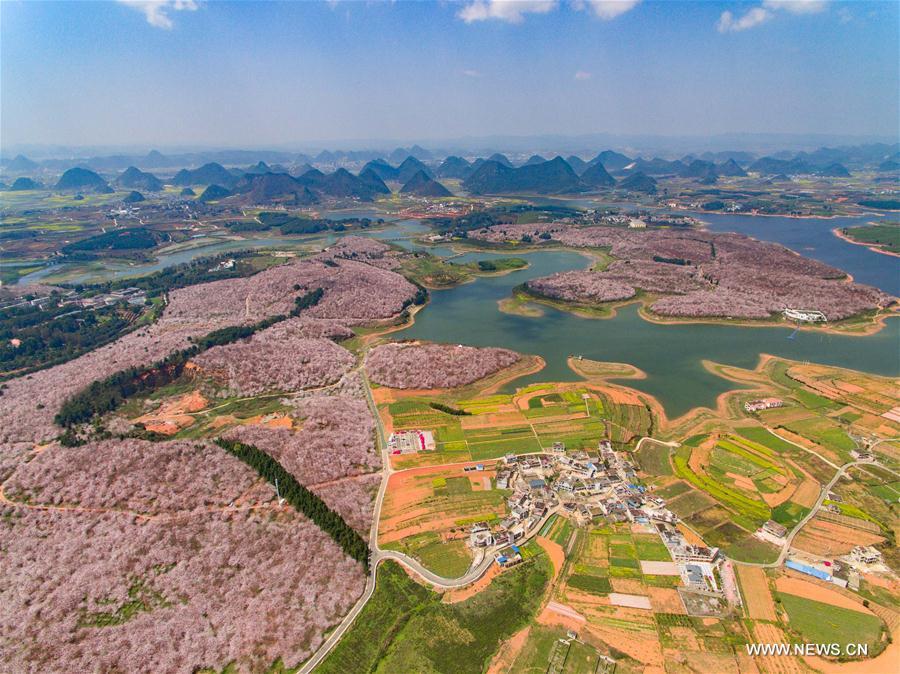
column 813, row 401
column 729, row 462
column 824, row 432
column 546, row 650
column 690, row 503
column 493, row 449
column 623, row 562
column 405, row 628
column 485, row 405
column 751, row 549
column 763, row 437
column 581, row 659
column 654, row 459
column 886, row 236
column 651, row 549
column 741, row 448
column 449, row 559
column 458, row 485
column 740, row 503
column 592, row 584
column 561, row 531
column 816, row 622
column 789, row 514
column 673, row 490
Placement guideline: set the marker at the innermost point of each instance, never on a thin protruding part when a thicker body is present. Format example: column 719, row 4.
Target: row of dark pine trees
column 301, row 498
column 106, row 395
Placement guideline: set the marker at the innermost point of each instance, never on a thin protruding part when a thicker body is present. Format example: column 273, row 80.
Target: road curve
column 786, row 549
column 378, row 555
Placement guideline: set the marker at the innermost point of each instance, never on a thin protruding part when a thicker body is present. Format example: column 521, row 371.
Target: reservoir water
column 671, row 355
column 813, row 238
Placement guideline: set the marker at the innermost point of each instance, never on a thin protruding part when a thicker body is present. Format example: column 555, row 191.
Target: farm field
column 756, row 593
column 886, row 237
column 606, row 560
column 428, row 511
column 830, row 539
column 550, row 648
column 827, row 404
column 602, row 582
column 653, row 459
column 485, row 427
column 819, row 622
column 406, row 628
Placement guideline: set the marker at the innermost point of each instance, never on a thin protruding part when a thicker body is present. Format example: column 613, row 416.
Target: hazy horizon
column 314, row 75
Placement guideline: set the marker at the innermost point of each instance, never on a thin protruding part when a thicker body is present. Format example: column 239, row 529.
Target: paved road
column 799, row 446
column 785, row 551
column 378, row 555
column 640, row 442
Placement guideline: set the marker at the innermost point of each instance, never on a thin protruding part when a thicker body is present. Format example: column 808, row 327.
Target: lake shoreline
column 515, row 305
column 875, row 249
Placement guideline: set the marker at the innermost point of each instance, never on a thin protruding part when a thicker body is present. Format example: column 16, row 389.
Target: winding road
column 478, row 570
column 785, row 551
column 378, row 555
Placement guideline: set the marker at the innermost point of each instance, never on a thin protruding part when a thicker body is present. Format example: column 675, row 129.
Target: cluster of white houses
column 763, row 404
column 411, row 442
column 805, row 315
column 587, row 487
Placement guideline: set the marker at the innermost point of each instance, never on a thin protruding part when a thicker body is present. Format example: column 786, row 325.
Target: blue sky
column 266, row 73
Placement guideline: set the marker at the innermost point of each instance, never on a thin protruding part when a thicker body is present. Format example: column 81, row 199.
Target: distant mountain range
column 596, row 175
column 453, row 167
column 23, row 183
column 303, row 190
column 208, row 174
column 297, row 178
column 408, row 167
column 21, row 164
column 639, row 182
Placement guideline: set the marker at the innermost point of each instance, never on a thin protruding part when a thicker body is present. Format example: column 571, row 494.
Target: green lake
column 671, row 355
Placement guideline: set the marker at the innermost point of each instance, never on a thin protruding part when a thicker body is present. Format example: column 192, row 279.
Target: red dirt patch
column 461, row 594
column 810, row 590
column 554, row 552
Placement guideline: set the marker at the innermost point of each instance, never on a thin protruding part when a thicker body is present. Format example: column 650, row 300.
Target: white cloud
column 157, row 11
column 760, row 14
column 582, row 75
column 754, row 17
column 471, row 73
column 514, row 11
column 797, row 6
column 610, row 9
column 511, row 11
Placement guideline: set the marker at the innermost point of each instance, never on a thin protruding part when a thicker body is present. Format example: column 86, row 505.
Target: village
column 588, row 488
column 593, row 488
